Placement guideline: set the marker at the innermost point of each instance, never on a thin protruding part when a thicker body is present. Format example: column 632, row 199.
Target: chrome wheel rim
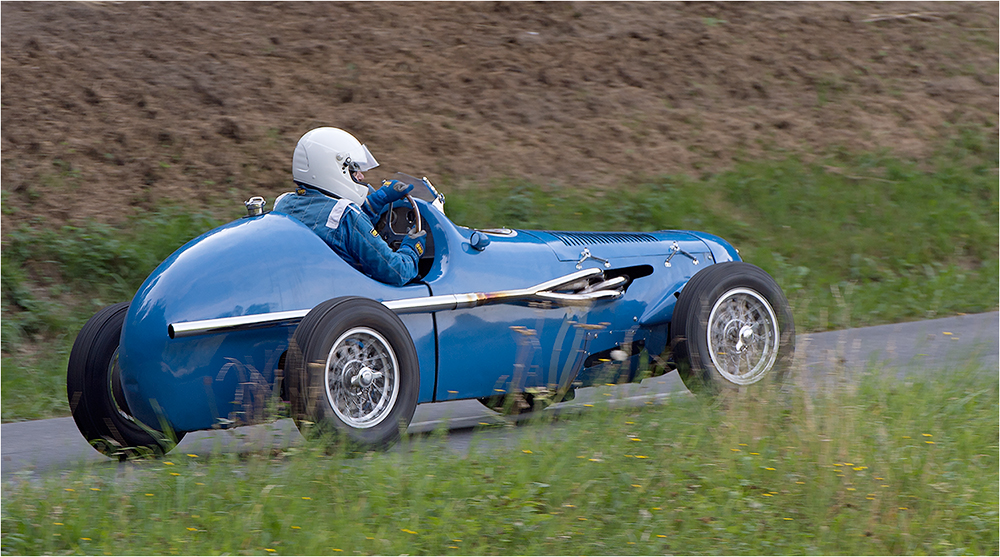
column 742, row 336
column 362, row 378
column 114, row 379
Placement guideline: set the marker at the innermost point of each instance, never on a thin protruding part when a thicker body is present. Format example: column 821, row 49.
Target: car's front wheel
column 353, row 373
column 732, row 327
column 93, row 385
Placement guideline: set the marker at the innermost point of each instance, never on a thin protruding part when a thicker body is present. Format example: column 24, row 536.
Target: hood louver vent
column 591, row 238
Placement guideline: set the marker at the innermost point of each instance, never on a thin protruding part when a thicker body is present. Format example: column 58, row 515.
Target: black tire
column 728, row 315
column 365, row 392
column 93, row 386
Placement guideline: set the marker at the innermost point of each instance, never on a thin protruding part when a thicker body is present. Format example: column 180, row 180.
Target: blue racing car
column 261, row 310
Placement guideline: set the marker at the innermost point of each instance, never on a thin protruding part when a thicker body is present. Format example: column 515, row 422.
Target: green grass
column 881, row 466
column 853, row 240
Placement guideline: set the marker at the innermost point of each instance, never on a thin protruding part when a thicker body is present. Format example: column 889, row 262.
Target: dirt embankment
column 110, row 107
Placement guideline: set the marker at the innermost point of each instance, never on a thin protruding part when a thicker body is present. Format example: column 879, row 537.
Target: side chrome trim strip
column 190, row 328
column 541, row 292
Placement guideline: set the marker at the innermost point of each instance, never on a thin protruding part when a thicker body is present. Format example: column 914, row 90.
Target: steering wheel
column 397, row 222
column 418, row 224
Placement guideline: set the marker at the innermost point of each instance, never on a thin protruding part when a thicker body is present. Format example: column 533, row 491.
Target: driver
column 333, row 200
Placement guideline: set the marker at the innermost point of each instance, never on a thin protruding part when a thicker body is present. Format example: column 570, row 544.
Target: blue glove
column 389, row 192
column 395, row 190
column 415, row 241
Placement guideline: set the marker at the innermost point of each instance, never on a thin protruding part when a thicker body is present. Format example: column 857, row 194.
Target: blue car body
column 272, row 263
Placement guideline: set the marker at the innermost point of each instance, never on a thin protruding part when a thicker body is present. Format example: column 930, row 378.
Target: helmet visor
column 369, row 162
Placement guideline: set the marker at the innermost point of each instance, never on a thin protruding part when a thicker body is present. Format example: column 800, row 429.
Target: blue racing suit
column 348, row 229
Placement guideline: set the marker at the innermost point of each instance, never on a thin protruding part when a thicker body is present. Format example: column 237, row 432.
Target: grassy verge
column 880, row 467
column 54, row 280
column 853, row 240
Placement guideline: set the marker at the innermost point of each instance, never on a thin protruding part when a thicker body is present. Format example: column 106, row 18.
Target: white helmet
column 327, row 158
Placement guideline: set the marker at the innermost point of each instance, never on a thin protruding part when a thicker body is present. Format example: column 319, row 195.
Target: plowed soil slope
column 110, row 107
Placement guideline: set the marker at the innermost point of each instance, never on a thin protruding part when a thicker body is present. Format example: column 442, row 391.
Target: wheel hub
column 745, row 334
column 365, row 377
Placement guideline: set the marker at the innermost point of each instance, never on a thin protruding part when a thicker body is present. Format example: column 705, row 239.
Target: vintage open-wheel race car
column 261, row 310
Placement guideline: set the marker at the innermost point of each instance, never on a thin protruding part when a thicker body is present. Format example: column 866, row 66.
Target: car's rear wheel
column 93, row 386
column 732, row 327
column 353, row 373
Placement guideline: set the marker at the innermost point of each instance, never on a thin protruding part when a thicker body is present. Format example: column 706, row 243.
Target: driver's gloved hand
column 390, row 191
column 395, row 190
column 416, row 241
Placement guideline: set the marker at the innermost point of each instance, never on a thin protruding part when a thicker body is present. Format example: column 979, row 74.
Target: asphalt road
column 822, row 359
